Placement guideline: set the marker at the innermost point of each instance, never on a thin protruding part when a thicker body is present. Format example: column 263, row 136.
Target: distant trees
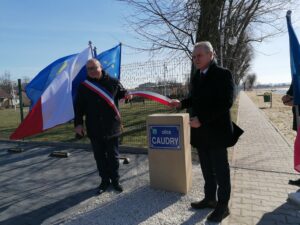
column 249, row 81
column 6, row 82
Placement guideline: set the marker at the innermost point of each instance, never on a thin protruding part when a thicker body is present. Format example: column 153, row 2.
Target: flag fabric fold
column 41, row 81
column 295, row 70
column 55, row 104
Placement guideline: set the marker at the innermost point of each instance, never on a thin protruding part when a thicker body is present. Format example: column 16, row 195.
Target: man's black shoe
column 218, row 214
column 103, row 186
column 117, row 186
column 204, row 204
column 295, row 182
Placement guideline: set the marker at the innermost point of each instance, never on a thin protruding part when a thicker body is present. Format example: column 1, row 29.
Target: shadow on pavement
column 37, row 216
column 132, row 208
column 287, row 213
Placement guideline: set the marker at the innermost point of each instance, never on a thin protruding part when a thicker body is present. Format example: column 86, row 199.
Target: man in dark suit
column 288, row 100
column 212, row 131
column 102, row 123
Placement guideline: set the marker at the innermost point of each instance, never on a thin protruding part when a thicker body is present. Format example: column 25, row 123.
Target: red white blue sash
column 104, row 94
column 152, row 96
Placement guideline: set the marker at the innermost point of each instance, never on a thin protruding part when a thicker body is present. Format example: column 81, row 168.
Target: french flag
column 55, row 105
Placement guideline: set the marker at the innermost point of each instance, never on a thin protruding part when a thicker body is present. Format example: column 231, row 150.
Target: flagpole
column 95, row 52
column 120, row 60
column 91, row 47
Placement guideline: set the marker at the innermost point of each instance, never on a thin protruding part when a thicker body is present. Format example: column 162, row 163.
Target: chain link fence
column 169, row 78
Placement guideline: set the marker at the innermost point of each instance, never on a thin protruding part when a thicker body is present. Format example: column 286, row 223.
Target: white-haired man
column 212, row 131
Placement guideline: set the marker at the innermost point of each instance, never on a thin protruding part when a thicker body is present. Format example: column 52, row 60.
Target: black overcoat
column 212, row 95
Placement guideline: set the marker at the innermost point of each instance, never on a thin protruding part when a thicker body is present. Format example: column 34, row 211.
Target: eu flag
column 111, row 61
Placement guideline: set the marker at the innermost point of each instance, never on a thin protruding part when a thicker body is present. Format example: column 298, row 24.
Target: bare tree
column 5, row 82
column 26, row 79
column 250, row 80
column 175, row 26
column 164, row 24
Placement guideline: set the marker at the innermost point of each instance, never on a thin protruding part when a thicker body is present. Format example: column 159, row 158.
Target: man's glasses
column 92, row 68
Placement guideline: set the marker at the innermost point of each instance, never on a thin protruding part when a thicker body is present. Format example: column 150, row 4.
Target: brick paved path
column 262, row 165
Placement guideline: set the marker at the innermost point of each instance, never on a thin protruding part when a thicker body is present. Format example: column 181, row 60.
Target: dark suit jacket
column 211, row 98
column 101, row 121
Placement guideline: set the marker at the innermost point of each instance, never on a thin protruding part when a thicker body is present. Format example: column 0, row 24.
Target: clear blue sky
column 272, row 57
column 36, row 32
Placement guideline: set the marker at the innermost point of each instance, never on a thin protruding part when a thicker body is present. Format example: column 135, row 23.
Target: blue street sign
column 164, row 137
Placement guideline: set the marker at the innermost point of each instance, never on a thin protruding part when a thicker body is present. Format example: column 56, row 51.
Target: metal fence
column 169, row 78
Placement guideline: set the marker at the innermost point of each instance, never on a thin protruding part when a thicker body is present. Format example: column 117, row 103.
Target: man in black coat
column 103, row 124
column 288, row 100
column 212, row 131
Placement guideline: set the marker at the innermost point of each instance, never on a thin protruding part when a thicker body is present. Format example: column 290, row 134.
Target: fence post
column 20, row 99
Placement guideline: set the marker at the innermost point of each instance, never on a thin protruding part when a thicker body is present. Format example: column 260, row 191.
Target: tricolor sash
column 104, row 94
column 152, row 96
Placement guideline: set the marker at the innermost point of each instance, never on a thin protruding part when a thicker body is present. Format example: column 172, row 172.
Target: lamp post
column 221, row 48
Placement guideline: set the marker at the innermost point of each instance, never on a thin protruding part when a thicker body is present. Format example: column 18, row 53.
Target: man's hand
column 128, row 97
column 194, row 122
column 175, row 103
column 79, row 130
column 287, row 100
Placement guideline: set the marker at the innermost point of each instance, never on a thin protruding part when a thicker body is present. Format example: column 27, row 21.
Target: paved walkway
column 263, row 163
column 37, row 189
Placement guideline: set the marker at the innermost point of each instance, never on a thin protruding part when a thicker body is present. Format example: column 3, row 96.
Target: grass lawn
column 234, row 111
column 133, row 120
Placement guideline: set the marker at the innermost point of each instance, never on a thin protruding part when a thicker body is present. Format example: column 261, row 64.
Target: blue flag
column 110, row 60
column 295, row 59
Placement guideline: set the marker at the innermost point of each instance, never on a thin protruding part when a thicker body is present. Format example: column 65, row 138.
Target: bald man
column 103, row 125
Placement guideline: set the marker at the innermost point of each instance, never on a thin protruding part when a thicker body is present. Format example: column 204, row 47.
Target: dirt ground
column 280, row 115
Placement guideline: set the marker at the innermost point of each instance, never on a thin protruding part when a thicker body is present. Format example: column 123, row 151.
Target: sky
column 34, row 33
